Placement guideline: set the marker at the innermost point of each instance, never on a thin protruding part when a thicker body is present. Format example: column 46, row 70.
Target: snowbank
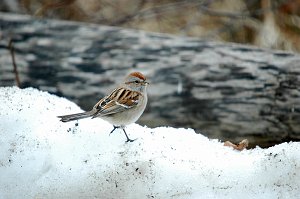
column 41, row 157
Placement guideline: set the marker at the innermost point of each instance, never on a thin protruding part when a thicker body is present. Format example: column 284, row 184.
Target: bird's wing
column 119, row 100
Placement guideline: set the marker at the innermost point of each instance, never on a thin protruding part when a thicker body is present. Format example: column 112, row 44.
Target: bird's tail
column 77, row 116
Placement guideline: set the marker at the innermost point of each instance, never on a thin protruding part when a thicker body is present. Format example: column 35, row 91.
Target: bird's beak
column 146, row 83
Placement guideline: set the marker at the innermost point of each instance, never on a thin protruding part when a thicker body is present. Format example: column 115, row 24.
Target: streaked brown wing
column 119, row 100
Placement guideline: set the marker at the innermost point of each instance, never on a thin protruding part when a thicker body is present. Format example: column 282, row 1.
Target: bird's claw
column 130, row 140
column 115, row 127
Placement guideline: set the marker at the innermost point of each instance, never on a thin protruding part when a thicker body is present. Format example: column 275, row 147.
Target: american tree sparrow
column 122, row 106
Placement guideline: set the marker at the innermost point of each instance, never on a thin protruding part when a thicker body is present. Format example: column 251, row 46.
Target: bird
column 123, row 106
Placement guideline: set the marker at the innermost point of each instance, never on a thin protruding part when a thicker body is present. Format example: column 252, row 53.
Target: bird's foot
column 128, row 139
column 115, row 127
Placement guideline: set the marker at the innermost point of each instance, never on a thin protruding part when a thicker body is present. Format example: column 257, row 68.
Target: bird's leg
column 115, row 127
column 128, row 139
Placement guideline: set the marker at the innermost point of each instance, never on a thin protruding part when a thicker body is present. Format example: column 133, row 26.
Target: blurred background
column 224, row 91
column 266, row 23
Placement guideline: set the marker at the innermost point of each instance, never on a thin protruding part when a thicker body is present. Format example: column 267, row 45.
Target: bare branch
column 12, row 53
column 47, row 6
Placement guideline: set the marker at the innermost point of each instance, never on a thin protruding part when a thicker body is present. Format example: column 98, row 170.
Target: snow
column 41, row 157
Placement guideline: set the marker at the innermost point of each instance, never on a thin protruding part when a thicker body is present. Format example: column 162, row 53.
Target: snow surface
column 41, row 157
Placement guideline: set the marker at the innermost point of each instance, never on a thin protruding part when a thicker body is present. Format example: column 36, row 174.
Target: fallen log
column 223, row 90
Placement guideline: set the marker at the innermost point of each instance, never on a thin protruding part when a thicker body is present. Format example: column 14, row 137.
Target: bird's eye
column 136, row 81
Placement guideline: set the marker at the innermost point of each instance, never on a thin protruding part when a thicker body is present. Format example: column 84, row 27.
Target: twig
column 240, row 146
column 215, row 13
column 12, row 53
column 128, row 17
column 64, row 3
